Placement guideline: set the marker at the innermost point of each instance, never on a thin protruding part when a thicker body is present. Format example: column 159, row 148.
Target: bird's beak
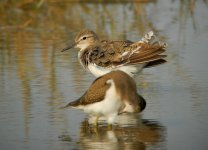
column 69, row 47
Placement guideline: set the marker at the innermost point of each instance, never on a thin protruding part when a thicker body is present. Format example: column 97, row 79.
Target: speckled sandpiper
column 102, row 56
column 110, row 95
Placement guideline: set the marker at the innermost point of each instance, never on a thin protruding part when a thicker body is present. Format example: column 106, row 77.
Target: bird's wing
column 148, row 50
column 107, row 53
column 137, row 53
column 145, row 53
column 119, row 53
column 101, row 87
column 90, row 96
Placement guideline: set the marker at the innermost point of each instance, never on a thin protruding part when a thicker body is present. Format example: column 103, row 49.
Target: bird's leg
column 93, row 120
column 96, row 125
column 96, row 121
column 111, row 119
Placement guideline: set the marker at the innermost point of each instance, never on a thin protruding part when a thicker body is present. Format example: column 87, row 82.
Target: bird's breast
column 98, row 70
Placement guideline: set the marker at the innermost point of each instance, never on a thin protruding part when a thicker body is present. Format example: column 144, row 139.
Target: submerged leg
column 93, row 120
column 111, row 119
column 96, row 121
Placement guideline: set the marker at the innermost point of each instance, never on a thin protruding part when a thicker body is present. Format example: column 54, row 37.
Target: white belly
column 97, row 70
column 109, row 107
column 130, row 70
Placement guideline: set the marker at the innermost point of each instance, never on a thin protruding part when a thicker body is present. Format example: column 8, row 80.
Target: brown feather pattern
column 126, row 90
column 112, row 54
column 90, row 96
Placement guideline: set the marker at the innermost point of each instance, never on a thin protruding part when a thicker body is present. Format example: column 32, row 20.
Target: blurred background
column 36, row 78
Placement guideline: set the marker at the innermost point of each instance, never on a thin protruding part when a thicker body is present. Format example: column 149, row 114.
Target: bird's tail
column 147, row 50
column 142, row 102
column 149, row 37
column 73, row 104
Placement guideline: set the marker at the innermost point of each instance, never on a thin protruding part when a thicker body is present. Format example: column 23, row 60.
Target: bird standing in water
column 109, row 96
column 102, row 56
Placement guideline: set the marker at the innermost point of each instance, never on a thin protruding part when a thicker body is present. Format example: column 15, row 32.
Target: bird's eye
column 84, row 38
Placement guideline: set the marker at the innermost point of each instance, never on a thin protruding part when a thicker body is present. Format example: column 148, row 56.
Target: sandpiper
column 110, row 95
column 102, row 56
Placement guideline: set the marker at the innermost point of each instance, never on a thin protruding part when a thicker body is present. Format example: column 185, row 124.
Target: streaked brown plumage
column 105, row 56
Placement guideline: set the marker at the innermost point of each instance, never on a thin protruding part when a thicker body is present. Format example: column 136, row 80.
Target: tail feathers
column 149, row 37
column 142, row 103
column 147, row 50
column 146, row 60
column 147, row 54
column 155, row 63
column 72, row 104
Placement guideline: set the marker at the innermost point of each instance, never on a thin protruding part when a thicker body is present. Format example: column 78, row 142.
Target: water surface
column 36, row 78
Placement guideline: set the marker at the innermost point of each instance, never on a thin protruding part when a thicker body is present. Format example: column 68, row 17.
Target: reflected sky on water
column 36, row 78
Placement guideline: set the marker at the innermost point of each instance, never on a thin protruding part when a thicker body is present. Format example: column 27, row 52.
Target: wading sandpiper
column 110, row 95
column 102, row 56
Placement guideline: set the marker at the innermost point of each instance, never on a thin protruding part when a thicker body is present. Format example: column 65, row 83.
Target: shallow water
column 36, row 78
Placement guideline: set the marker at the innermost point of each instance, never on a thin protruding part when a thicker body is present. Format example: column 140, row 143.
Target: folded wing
column 116, row 53
column 90, row 96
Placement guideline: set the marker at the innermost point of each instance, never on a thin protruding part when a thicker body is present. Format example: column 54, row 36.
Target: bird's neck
column 83, row 47
column 82, row 57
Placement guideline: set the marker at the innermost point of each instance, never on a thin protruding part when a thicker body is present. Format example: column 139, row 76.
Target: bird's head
column 83, row 39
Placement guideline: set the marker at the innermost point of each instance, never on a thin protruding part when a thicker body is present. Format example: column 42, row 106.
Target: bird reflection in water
column 134, row 133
